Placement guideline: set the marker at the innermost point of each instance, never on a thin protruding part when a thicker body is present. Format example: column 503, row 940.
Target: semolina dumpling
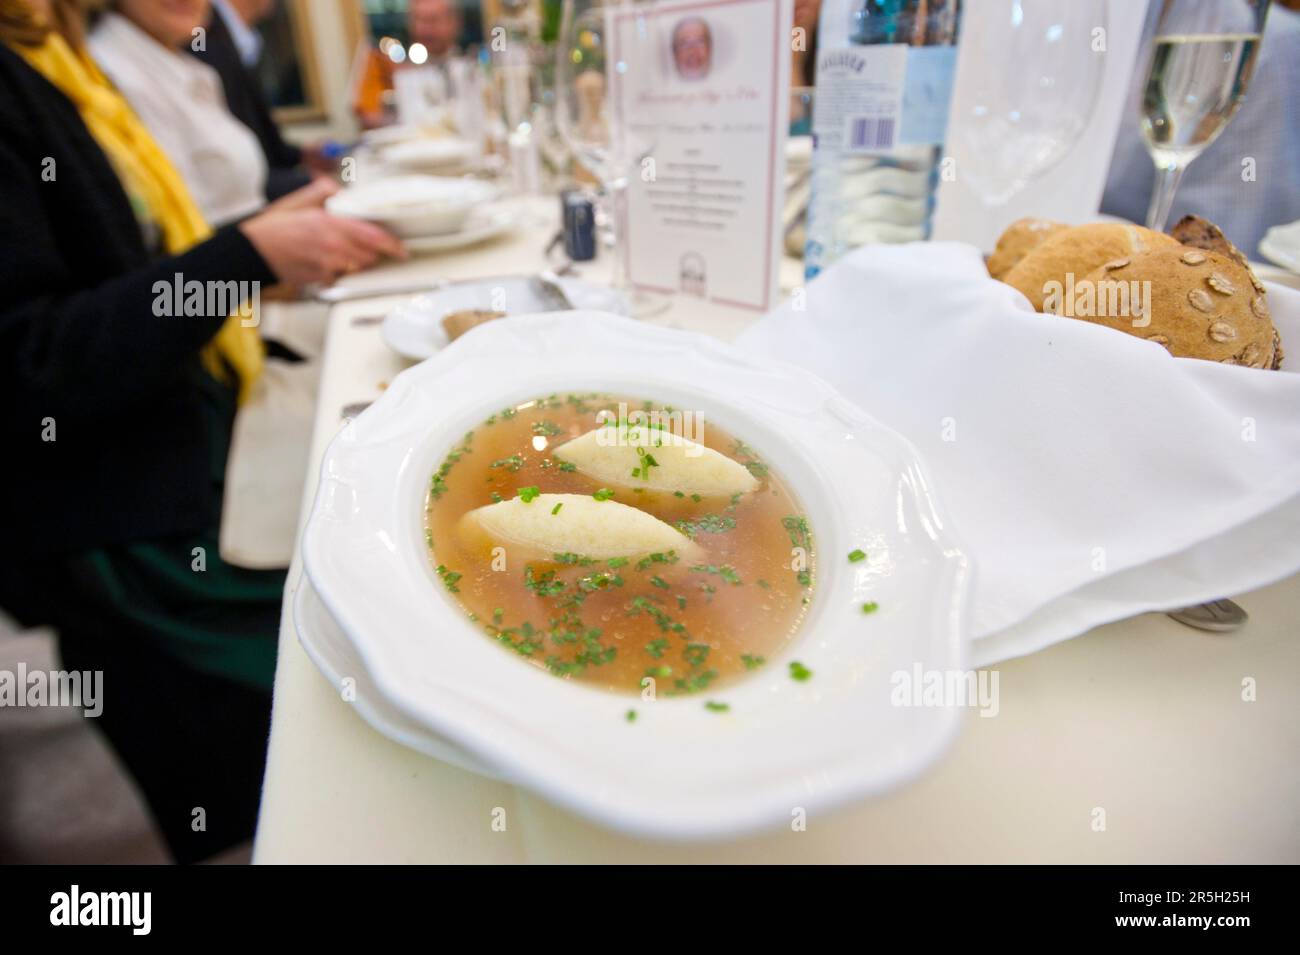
column 578, row 524
column 618, row 455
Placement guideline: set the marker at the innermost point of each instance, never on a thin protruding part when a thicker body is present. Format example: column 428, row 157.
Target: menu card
column 704, row 106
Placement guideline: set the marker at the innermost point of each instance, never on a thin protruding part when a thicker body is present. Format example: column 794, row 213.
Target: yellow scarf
column 148, row 176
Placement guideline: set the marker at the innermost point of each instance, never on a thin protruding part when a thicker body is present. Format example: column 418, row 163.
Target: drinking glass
column 1200, row 62
column 588, row 120
column 1029, row 108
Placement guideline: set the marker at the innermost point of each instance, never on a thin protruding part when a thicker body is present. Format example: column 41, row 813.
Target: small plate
column 414, row 328
column 400, row 133
column 678, row 772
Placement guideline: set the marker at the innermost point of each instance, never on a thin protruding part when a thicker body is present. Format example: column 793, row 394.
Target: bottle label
column 872, row 99
column 927, row 94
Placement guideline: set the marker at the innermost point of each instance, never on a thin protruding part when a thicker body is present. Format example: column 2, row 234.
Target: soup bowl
column 771, row 747
column 417, row 155
column 413, row 206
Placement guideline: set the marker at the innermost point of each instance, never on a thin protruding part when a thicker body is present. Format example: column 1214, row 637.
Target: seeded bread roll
column 1199, row 305
column 1077, row 251
column 1208, row 237
column 1016, row 242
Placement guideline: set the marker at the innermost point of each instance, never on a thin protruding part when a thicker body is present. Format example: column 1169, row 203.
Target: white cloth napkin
column 1090, row 475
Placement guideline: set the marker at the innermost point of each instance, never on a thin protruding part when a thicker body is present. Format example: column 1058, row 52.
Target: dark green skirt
column 179, row 596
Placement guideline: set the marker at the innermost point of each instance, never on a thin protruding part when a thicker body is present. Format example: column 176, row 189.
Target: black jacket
column 81, row 348
column 247, row 104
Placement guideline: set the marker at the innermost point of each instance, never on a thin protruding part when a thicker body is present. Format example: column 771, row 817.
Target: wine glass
column 1030, row 107
column 588, row 118
column 1200, row 62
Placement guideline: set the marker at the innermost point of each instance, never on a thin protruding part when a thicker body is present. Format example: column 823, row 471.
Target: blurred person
column 434, row 24
column 234, row 49
column 140, row 45
column 803, row 64
column 1243, row 198
column 692, row 45
column 116, row 412
column 803, row 55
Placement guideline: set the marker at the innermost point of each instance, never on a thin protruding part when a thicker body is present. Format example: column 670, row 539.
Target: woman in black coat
column 116, row 432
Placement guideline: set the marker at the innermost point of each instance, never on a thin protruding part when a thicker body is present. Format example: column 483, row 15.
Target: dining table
column 1140, row 741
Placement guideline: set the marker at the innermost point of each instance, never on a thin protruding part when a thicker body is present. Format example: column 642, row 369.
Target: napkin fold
column 1090, row 475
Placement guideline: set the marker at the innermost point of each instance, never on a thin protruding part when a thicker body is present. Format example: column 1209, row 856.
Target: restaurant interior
column 674, row 431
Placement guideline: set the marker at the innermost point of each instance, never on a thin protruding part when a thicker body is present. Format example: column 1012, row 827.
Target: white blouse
column 181, row 101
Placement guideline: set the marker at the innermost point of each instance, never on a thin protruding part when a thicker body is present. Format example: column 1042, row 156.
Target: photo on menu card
column 705, row 106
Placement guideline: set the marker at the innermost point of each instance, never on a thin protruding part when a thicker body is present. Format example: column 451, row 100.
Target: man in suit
column 233, row 49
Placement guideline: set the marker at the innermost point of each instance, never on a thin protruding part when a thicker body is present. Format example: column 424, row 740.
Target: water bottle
column 880, row 108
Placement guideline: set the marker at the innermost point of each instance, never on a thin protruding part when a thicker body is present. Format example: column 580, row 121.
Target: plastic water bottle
column 880, row 109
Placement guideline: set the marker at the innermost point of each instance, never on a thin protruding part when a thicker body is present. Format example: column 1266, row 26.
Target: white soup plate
column 413, row 206
column 679, row 771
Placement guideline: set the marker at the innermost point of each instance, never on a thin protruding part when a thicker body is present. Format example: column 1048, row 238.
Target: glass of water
column 1201, row 61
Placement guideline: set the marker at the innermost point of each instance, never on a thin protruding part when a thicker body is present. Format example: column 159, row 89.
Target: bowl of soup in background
column 818, row 723
column 413, row 206
column 432, row 155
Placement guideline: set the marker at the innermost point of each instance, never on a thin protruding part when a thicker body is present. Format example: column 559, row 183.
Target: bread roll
column 1077, row 251
column 1199, row 304
column 1208, row 237
column 458, row 323
column 1018, row 239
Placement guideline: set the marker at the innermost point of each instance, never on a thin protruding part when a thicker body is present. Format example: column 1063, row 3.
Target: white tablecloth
column 1142, row 719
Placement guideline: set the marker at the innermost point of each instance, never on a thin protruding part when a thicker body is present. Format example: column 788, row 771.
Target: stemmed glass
column 1024, row 115
column 587, row 62
column 1200, row 63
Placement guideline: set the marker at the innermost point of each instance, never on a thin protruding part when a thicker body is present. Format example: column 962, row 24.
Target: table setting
column 954, row 560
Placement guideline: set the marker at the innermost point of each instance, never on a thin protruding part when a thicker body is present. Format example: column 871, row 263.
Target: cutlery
column 547, row 288
column 1219, row 616
column 335, row 294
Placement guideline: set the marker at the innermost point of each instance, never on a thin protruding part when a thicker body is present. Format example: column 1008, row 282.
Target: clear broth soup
column 687, row 624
